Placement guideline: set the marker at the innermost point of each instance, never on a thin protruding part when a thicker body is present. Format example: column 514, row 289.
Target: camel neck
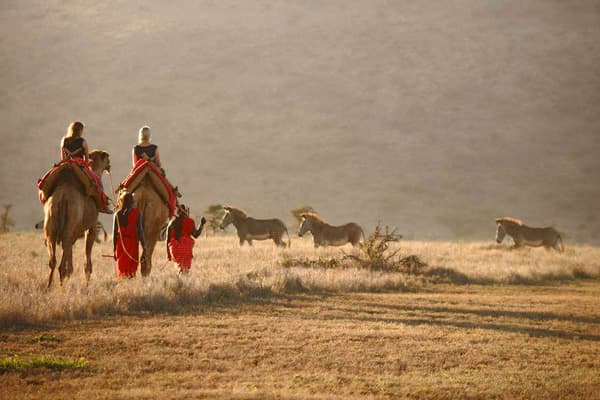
column 98, row 171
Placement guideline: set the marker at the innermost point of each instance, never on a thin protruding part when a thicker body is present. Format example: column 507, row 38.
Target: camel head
column 99, row 161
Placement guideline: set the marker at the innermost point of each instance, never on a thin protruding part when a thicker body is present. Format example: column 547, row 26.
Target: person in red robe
column 127, row 233
column 181, row 233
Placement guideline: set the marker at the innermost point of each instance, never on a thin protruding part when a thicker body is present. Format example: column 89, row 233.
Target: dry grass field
column 482, row 322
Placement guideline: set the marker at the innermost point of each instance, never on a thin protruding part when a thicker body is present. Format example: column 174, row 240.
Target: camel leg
column 69, row 263
column 51, row 246
column 67, row 255
column 249, row 242
column 242, row 240
column 146, row 259
column 90, row 238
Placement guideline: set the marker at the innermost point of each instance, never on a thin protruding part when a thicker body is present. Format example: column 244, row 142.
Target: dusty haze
column 435, row 117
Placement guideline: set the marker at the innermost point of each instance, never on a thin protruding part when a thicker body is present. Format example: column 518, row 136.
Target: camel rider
column 145, row 150
column 73, row 145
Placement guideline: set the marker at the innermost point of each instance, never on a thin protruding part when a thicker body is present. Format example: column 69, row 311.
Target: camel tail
column 62, row 212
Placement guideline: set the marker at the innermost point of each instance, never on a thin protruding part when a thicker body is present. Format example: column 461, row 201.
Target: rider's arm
column 86, row 155
column 157, row 159
column 63, row 155
column 133, row 157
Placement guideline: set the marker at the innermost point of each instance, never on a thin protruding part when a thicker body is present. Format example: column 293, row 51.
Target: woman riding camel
column 179, row 238
column 145, row 150
column 72, row 144
column 74, row 147
column 127, row 232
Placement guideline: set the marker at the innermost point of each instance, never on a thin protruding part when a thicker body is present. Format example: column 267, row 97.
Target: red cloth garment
column 127, row 246
column 181, row 250
column 140, row 165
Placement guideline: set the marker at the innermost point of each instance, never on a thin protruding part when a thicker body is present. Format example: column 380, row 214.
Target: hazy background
column 432, row 116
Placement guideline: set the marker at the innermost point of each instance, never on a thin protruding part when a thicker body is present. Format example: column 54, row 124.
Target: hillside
column 434, row 117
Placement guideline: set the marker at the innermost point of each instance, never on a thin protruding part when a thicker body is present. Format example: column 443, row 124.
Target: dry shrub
column 374, row 254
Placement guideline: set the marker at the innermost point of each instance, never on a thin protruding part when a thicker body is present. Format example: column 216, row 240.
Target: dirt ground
column 456, row 342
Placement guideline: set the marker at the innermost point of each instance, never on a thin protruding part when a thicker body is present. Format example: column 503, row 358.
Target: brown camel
column 155, row 214
column 69, row 214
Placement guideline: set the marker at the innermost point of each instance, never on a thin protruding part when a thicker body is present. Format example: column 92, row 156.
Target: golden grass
column 224, row 272
column 501, row 342
column 243, row 326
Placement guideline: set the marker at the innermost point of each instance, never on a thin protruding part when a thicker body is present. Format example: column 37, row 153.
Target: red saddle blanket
column 145, row 168
column 91, row 182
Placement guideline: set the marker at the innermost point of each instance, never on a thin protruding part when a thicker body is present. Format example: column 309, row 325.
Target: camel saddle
column 145, row 168
column 92, row 185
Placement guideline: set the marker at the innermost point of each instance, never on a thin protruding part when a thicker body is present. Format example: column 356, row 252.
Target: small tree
column 296, row 212
column 214, row 215
column 6, row 222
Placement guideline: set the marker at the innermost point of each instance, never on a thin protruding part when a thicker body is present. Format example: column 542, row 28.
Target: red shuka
column 181, row 250
column 127, row 262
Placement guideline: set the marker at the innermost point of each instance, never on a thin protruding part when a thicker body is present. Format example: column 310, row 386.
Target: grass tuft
column 49, row 362
column 45, row 338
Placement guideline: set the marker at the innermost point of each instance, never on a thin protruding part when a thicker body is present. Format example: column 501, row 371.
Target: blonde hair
column 144, row 134
column 75, row 129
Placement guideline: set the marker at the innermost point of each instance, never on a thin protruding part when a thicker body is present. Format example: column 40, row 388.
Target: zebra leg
column 277, row 239
column 558, row 245
column 518, row 243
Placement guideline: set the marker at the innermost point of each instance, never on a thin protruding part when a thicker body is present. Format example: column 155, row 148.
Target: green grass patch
column 50, row 362
column 44, row 338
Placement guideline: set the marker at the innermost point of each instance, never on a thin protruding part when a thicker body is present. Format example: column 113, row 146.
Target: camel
column 69, row 214
column 155, row 214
